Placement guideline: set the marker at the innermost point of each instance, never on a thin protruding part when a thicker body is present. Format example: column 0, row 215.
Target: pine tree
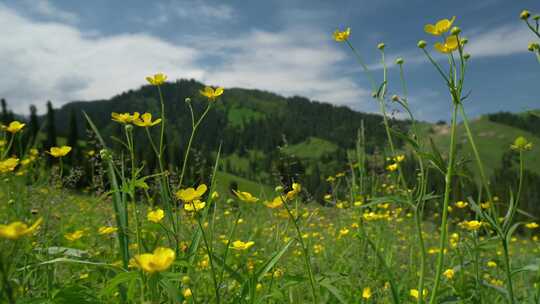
column 51, row 127
column 33, row 125
column 4, row 116
column 73, row 136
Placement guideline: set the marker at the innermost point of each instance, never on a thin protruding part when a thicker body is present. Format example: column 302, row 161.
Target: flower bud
column 455, row 30
column 536, row 17
column 186, row 280
column 400, row 60
column 380, row 46
column 187, row 100
column 464, row 41
column 422, row 44
column 374, row 95
column 105, row 154
column 278, row 189
column 533, row 46
column 466, row 56
column 525, row 14
column 128, row 128
column 395, row 98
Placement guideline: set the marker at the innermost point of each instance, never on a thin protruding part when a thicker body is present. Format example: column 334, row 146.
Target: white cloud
column 54, row 61
column 500, row 41
column 291, row 62
column 47, row 60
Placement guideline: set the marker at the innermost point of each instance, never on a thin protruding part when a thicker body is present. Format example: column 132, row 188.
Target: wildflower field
column 166, row 234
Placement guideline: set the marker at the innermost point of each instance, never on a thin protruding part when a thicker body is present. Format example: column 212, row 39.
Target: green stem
column 475, row 152
column 444, row 220
column 304, row 249
column 210, row 258
column 508, row 271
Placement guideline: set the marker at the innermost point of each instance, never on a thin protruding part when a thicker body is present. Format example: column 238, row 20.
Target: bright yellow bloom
column 105, row 230
column 146, row 121
column 160, row 260
column 187, row 293
column 239, row 245
column 191, row 194
column 343, row 232
column 16, row 230
column 74, row 235
column 14, row 127
column 275, row 203
column 415, row 293
column 461, row 204
column 449, row 273
column 472, row 225
column 442, row 26
column 155, row 215
column 195, row 205
column 491, row 264
column 60, row 151
column 366, row 293
column 392, row 167
column 400, row 158
column 341, row 36
column 125, row 118
column 157, row 79
column 8, row 165
column 532, row 225
column 296, row 189
column 211, row 93
column 451, row 44
column 245, row 196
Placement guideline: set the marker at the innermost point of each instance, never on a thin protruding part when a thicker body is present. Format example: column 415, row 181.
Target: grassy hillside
column 493, row 139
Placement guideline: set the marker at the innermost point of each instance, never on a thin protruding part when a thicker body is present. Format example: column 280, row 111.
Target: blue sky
column 83, row 50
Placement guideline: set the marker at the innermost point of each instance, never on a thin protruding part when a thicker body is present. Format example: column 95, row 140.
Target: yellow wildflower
column 399, row 158
column 275, row 203
column 187, row 293
column 8, row 165
column 105, row 230
column 16, row 230
column 532, row 225
column 472, row 225
column 245, row 196
column 415, row 293
column 60, row 151
column 392, row 167
column 449, row 273
column 191, row 194
column 155, row 215
column 450, row 44
column 442, row 26
column 160, row 260
column 239, row 245
column 195, row 205
column 211, row 93
column 157, row 79
column 296, row 189
column 341, row 36
column 125, row 118
column 146, row 121
column 491, row 264
column 366, row 293
column 461, row 204
column 74, row 235
column 14, row 127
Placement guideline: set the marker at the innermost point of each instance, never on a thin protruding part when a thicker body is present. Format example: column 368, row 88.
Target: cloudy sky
column 66, row 50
